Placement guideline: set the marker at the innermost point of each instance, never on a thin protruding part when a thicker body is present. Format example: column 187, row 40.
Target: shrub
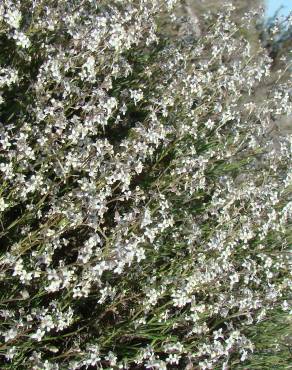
column 144, row 203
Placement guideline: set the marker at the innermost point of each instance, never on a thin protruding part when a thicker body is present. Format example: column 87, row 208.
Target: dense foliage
column 144, row 203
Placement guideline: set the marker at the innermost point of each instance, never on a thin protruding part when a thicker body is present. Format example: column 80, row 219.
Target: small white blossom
column 21, row 40
column 13, row 17
column 136, row 95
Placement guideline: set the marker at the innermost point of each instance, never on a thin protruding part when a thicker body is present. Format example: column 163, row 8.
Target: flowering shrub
column 144, row 204
column 276, row 36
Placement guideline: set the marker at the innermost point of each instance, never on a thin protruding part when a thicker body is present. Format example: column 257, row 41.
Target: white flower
column 146, row 219
column 10, row 334
column 8, row 76
column 55, row 281
column 38, row 335
column 21, row 40
column 3, row 205
column 94, row 357
column 139, row 167
column 13, row 17
column 209, row 124
column 88, row 69
column 112, row 358
column 244, row 355
column 47, row 323
column 11, row 352
column 136, row 95
column 285, row 306
column 173, row 358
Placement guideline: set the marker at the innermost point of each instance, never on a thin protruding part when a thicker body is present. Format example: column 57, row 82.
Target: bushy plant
column 276, row 36
column 272, row 343
column 144, row 204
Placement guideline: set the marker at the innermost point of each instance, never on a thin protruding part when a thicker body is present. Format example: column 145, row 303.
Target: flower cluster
column 144, row 202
